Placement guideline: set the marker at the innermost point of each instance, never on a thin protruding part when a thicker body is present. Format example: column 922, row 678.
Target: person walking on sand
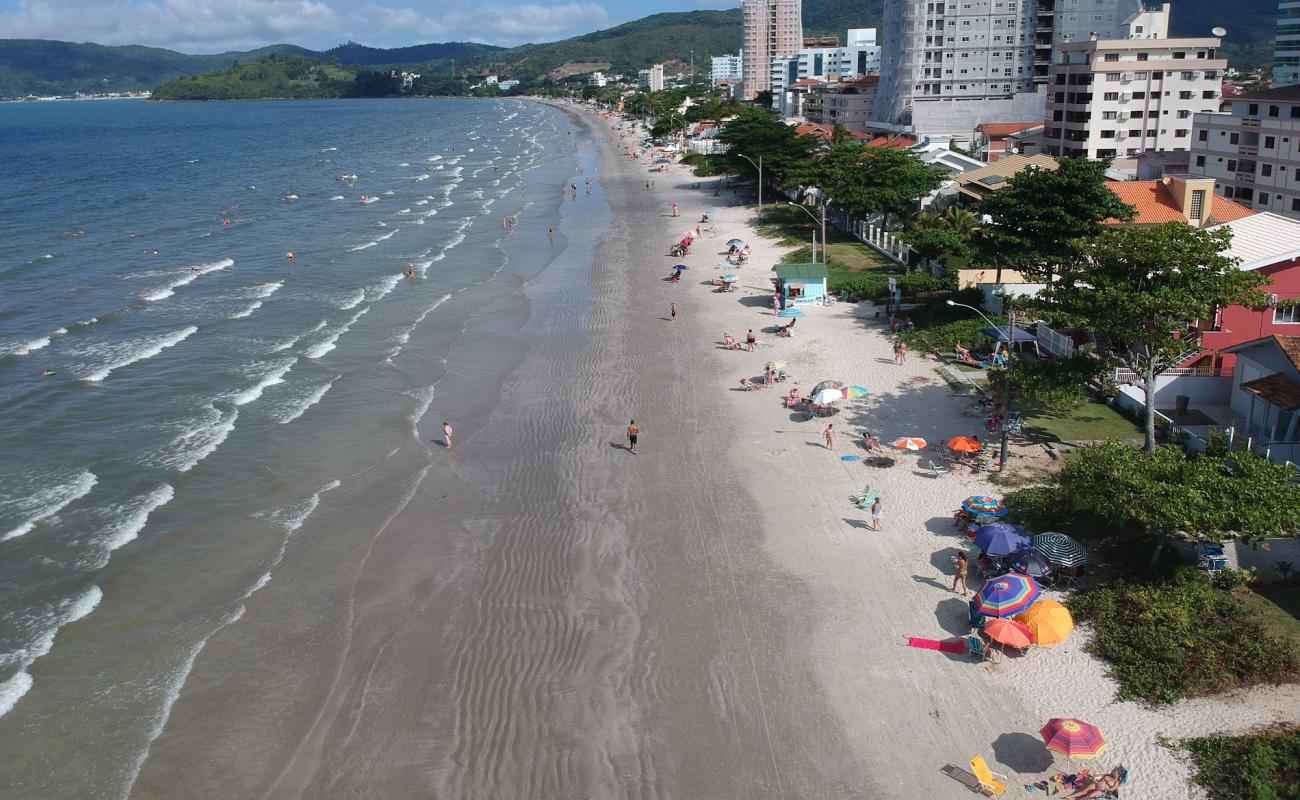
column 962, row 564
column 674, row 311
column 902, row 352
column 829, row 436
column 877, row 515
column 632, row 433
column 750, row 340
column 446, row 434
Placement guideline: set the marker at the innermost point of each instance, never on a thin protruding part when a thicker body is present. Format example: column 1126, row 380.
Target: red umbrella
column 1074, row 738
column 1009, row 632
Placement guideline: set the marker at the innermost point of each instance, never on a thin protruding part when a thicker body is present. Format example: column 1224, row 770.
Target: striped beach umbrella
column 910, row 443
column 1073, row 738
column 858, row 391
column 1028, row 561
column 1006, row 595
column 1001, row 539
column 1060, row 549
column 983, row 505
column 1049, row 622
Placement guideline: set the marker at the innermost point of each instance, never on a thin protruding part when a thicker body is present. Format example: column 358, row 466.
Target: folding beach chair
column 866, row 497
column 939, row 470
column 975, row 646
column 1015, row 423
column 989, row 780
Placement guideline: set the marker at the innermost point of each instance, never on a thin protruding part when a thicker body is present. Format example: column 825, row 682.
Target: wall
column 993, row 293
column 1199, row 390
column 956, row 119
column 1238, row 324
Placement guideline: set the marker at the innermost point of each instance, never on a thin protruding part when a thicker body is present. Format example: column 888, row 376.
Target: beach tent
column 1018, row 335
column 802, row 284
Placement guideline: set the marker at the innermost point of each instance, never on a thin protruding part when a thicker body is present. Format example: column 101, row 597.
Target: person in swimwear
column 288, row 256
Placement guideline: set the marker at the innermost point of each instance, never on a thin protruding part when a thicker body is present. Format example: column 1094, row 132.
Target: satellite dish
column 1217, row 31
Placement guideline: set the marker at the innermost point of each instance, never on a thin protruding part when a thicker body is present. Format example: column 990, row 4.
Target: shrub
column 1264, row 766
column 1178, row 639
column 1229, row 579
column 1058, row 384
column 875, row 285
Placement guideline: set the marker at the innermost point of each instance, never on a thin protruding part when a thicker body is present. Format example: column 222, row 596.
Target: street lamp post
column 759, row 166
column 821, row 208
column 1006, row 394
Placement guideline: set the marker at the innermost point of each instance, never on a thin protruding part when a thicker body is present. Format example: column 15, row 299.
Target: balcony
column 1250, row 122
column 1247, row 150
column 1244, row 177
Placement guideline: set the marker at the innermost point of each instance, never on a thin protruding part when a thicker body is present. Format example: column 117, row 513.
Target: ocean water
column 178, row 396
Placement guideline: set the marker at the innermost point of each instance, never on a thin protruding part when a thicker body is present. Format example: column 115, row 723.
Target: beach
column 539, row 612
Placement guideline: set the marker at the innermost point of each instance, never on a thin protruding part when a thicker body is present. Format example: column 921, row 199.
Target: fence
column 1053, row 342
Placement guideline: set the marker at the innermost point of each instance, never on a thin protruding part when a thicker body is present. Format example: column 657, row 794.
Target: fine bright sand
column 552, row 616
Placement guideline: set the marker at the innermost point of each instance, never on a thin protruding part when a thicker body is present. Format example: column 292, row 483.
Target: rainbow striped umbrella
column 1073, row 738
column 983, row 505
column 1006, row 595
column 858, row 391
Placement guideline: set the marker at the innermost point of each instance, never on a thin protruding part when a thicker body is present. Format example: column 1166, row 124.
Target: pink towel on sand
column 957, row 647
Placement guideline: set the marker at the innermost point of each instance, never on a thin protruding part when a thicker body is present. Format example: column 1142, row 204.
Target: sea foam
column 35, row 506
column 139, row 351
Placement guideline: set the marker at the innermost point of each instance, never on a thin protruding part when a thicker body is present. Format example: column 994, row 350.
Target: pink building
column 1269, row 243
column 773, row 29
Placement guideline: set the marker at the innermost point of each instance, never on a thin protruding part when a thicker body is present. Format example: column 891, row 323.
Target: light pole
column 1006, row 394
column 759, row 165
column 822, row 209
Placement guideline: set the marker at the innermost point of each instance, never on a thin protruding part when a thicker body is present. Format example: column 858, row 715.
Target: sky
column 210, row 26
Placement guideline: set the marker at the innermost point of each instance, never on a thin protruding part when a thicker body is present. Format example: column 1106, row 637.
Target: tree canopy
column 1141, row 287
column 760, row 134
column 869, row 180
column 1040, row 216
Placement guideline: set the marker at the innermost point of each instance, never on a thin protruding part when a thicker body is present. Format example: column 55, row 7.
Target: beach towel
column 850, row 458
column 958, row 647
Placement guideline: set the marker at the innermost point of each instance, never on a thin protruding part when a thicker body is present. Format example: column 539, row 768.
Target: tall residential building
column 1119, row 97
column 1286, row 45
column 773, row 29
column 725, row 68
column 948, row 65
column 1253, row 152
column 651, row 79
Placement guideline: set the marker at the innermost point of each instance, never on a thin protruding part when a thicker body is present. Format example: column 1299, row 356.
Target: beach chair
column 975, row 646
column 1015, row 423
column 989, row 780
column 866, row 497
column 938, row 470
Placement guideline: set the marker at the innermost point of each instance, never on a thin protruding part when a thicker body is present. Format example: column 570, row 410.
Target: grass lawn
column 1088, row 422
column 793, row 228
column 1277, row 608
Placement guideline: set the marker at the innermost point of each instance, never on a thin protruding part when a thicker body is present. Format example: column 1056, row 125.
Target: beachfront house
column 802, row 284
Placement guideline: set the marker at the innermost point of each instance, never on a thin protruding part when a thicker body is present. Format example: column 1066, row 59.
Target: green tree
column 870, row 180
column 1041, row 215
column 1141, row 287
column 932, row 238
column 760, row 134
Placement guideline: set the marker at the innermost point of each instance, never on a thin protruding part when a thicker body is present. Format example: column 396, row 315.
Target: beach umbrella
column 909, row 443
column 1049, row 621
column 827, row 385
column 1060, row 549
column 775, row 365
column 858, row 391
column 1073, row 738
column 791, row 313
column 1006, row 596
column 1028, row 561
column 1009, row 632
column 735, row 243
column 723, row 265
column 984, row 506
column 1001, row 539
column 965, row 444
column 681, row 266
column 730, row 278
column 827, row 396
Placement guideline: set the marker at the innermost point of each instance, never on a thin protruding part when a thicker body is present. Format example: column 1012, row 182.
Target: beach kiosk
column 802, row 284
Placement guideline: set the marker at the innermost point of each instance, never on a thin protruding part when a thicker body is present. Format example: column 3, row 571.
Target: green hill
column 287, row 77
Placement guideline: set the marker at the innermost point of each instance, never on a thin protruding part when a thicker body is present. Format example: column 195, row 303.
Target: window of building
column 1184, row 95
column 1108, row 134
column 1112, row 57
column 1154, row 113
column 1273, row 111
column 1269, row 142
column 1295, row 204
column 1142, row 56
column 1266, row 170
column 1232, row 165
column 1180, row 133
column 1112, row 77
column 1209, row 95
column 1109, row 96
column 1234, row 138
column 1189, row 76
column 1263, row 198
column 1201, row 135
column 1137, row 132
column 1139, row 95
column 1295, row 112
column 1108, row 115
column 1198, row 203
column 1200, row 161
column 1184, row 114
column 1253, row 109
column 1289, row 315
column 1244, row 194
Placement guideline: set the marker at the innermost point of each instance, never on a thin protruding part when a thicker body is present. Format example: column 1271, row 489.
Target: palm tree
column 962, row 222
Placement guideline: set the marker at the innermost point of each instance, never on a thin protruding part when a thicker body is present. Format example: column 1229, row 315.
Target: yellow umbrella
column 1048, row 621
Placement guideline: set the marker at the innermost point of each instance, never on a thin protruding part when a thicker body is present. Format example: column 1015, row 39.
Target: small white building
column 725, row 68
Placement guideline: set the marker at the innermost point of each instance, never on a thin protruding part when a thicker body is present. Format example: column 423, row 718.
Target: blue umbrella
column 1002, row 539
column 792, row 312
column 662, row 161
column 681, row 266
column 734, row 243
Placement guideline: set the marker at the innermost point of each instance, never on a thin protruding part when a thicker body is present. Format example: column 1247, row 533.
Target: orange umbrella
column 1048, row 621
column 965, row 444
column 1073, row 738
column 910, row 443
column 1009, row 632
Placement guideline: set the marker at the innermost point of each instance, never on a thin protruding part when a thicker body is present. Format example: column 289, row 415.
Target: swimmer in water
column 288, row 256
column 45, row 373
column 410, row 271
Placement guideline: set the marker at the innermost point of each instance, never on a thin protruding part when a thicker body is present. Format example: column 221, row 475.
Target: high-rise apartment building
column 726, row 68
column 1286, row 45
column 967, row 58
column 827, row 64
column 1119, row 97
column 1253, row 153
column 773, row 29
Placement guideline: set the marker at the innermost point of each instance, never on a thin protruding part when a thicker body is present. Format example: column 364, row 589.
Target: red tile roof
column 823, row 133
column 896, row 143
column 1006, row 128
column 1277, row 389
column 807, row 82
column 1155, row 205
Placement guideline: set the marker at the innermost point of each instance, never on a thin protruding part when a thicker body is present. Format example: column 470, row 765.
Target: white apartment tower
column 725, row 68
column 1286, row 46
column 1253, row 153
column 946, row 51
column 773, row 29
column 1119, row 97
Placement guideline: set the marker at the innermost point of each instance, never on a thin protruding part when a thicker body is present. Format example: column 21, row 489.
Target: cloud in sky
column 210, row 26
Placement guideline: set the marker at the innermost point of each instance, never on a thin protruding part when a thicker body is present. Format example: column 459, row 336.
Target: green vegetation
column 1119, row 492
column 301, row 78
column 757, row 135
column 1182, row 638
column 1053, row 384
column 1137, row 286
column 1262, row 766
column 865, row 181
column 1085, row 422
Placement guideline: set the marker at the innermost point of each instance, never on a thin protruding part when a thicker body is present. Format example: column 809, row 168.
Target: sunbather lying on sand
column 729, row 342
column 1101, row 785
